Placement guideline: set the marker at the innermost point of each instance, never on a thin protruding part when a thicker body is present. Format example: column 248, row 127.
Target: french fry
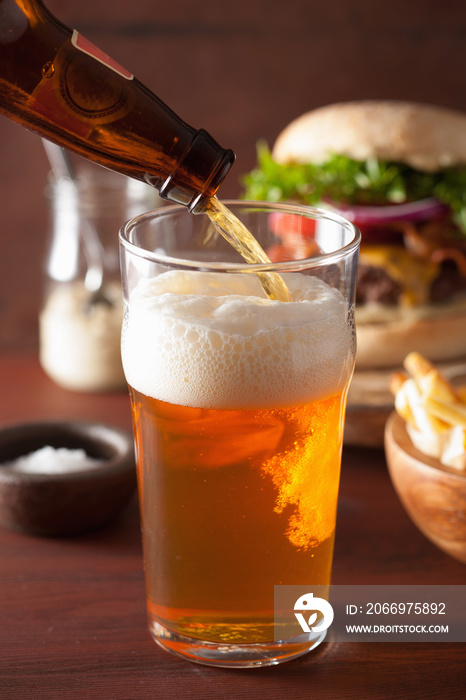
column 417, row 365
column 423, row 419
column 435, row 413
column 434, row 385
column 427, row 443
column 395, row 385
column 429, row 379
column 451, row 413
column 403, row 408
column 396, row 381
column 454, row 451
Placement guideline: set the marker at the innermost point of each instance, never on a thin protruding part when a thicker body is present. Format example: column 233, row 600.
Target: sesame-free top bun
column 425, row 137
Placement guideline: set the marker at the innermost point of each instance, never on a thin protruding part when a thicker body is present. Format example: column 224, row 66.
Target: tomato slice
column 296, row 235
column 291, row 226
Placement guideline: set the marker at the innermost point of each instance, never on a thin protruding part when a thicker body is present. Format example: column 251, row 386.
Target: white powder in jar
column 79, row 341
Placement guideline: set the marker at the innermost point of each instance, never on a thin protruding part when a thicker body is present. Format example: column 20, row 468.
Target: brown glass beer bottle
column 61, row 86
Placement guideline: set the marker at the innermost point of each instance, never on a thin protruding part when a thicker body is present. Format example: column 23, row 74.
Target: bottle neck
column 208, row 163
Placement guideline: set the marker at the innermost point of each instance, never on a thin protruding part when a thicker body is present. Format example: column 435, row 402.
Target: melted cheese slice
column 412, row 274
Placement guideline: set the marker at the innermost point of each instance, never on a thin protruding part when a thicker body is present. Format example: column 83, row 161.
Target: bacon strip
column 434, row 241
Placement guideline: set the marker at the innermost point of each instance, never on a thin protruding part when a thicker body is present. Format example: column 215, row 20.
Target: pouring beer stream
column 242, row 240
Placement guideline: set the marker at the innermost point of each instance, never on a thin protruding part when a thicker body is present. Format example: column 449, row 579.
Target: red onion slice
column 421, row 210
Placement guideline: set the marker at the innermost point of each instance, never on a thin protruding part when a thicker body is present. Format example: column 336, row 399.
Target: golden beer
column 233, row 503
column 238, row 406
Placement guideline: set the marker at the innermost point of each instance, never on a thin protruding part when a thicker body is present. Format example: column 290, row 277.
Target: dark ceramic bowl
column 66, row 501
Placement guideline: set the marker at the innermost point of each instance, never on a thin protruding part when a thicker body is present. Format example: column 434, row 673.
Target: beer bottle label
column 91, row 49
column 82, row 88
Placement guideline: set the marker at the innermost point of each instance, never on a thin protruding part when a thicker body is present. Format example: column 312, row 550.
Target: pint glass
column 238, row 405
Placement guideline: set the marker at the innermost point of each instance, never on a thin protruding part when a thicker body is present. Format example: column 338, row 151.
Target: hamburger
column 398, row 171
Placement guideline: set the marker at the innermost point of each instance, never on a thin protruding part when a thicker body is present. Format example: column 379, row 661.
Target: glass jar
column 80, row 321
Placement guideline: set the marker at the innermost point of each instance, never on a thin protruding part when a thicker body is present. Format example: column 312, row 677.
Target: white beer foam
column 212, row 340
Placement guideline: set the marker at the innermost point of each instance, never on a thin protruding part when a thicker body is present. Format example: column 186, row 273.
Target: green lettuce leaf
column 344, row 180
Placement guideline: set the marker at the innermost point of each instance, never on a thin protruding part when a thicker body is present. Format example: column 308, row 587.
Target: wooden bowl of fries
column 425, row 445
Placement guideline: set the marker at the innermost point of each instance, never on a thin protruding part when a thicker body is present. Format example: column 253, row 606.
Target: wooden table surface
column 73, row 620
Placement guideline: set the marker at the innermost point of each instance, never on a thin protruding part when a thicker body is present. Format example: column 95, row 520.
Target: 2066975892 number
column 405, row 608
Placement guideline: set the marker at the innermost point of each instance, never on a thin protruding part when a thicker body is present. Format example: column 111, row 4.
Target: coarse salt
column 53, row 460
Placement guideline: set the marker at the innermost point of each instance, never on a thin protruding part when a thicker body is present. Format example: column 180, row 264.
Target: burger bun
column 425, row 137
column 384, row 339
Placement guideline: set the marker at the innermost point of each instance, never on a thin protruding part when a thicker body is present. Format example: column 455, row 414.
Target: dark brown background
column 241, row 69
